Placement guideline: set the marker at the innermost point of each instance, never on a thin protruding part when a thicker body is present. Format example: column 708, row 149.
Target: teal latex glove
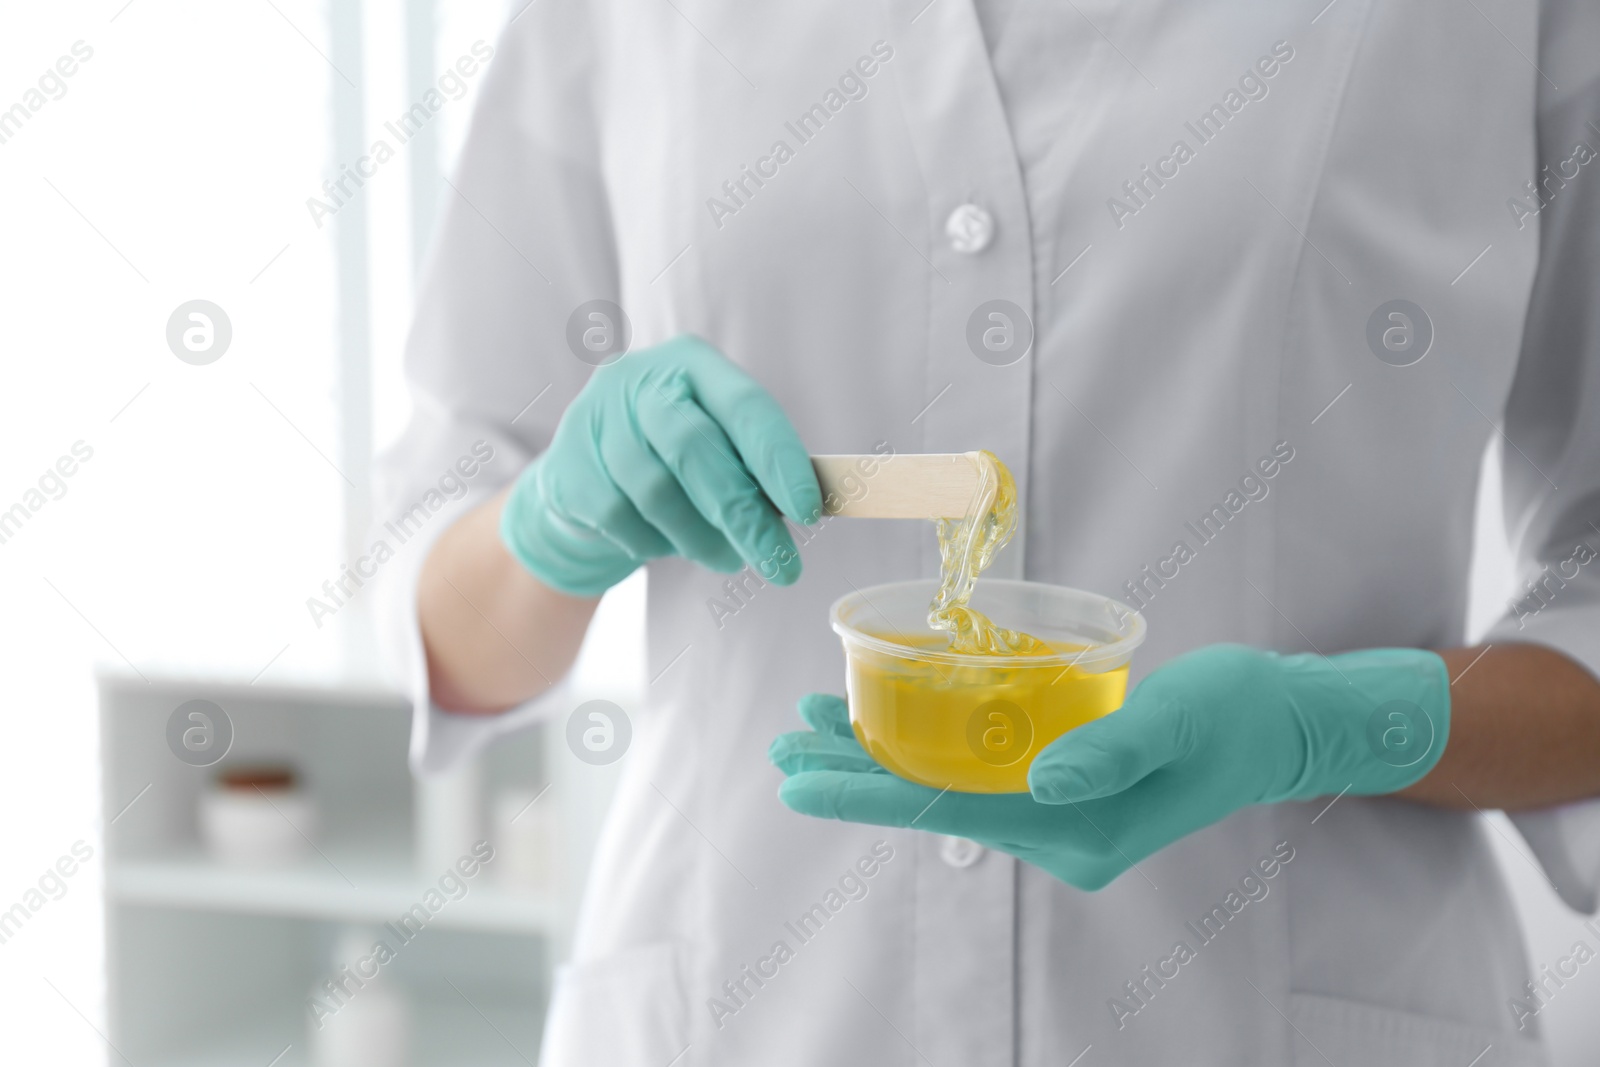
column 670, row 450
column 1213, row 731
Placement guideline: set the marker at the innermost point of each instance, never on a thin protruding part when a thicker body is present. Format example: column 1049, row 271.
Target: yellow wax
column 966, row 548
column 974, row 729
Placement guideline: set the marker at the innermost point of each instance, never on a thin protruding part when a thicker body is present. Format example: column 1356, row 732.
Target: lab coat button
column 959, row 852
column 970, row 229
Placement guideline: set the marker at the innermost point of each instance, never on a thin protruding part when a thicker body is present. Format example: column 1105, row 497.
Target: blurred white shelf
column 360, row 889
column 512, row 1040
column 351, row 687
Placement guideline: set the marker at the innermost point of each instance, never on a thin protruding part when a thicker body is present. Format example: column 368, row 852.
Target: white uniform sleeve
column 1552, row 418
column 525, row 239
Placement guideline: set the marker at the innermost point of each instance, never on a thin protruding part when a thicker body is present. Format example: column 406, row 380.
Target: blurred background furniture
column 213, row 964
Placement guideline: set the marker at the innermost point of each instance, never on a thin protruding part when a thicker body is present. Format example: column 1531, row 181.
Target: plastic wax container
column 973, row 723
column 257, row 817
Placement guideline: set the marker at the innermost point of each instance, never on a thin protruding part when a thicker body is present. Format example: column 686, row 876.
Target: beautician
column 1225, row 238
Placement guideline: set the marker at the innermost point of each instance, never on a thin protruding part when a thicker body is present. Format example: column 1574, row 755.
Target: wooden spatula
column 927, row 486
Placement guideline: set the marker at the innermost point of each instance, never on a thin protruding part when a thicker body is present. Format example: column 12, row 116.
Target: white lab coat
column 1214, row 318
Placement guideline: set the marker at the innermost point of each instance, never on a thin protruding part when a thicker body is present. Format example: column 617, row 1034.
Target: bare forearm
column 495, row 636
column 1524, row 731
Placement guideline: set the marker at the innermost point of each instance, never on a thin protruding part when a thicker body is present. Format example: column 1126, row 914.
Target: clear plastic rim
column 1108, row 654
